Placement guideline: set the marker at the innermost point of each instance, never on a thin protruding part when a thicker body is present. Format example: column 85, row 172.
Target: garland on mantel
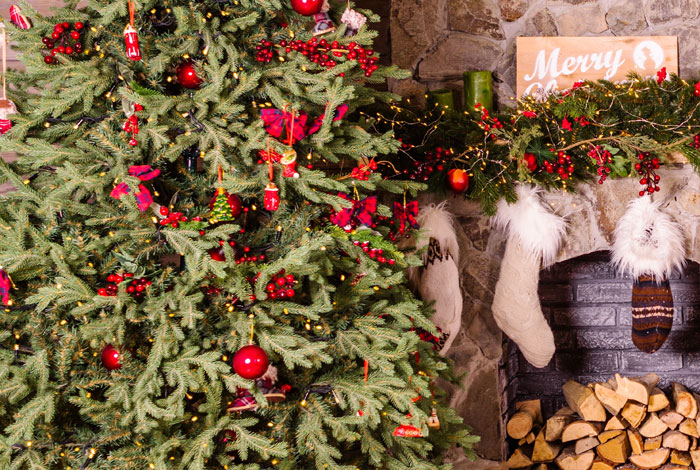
column 594, row 131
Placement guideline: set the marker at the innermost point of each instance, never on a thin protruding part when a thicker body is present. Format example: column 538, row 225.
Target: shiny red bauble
column 458, row 180
column 187, row 75
column 110, row 358
column 307, row 7
column 217, row 254
column 250, row 362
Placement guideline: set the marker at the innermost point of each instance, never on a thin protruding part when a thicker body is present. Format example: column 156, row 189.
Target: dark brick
column 599, row 292
column 564, row 339
column 604, row 339
column 553, row 293
column 593, row 269
column 624, row 317
column 639, row 362
column 686, row 293
column 603, row 315
column 686, row 339
column 691, row 272
column 691, row 315
column 588, row 362
column 540, row 384
column 527, row 368
column 692, row 360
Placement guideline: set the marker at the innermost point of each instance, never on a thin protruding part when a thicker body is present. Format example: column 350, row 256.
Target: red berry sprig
column 136, row 287
column 64, row 40
column 531, row 162
column 363, row 170
column 696, row 140
column 171, row 218
column 646, row 168
column 281, row 286
column 376, row 254
column 320, row 52
column 434, row 161
column 562, row 165
column 603, row 159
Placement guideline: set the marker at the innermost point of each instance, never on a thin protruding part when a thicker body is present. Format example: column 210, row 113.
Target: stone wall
column 588, row 306
column 439, row 39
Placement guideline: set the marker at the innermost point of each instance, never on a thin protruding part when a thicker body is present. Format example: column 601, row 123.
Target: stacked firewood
column 624, row 424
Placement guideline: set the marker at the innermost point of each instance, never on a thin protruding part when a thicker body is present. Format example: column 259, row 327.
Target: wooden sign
column 556, row 63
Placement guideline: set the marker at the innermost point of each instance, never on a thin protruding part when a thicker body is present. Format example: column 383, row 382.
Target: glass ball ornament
column 307, row 7
column 250, row 362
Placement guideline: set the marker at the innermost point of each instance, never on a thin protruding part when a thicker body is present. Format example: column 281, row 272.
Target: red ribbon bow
column 361, row 212
column 406, row 215
column 294, row 126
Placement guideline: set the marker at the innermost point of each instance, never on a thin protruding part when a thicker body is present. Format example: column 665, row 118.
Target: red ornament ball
column 187, row 75
column 110, row 358
column 307, row 7
column 217, row 254
column 250, row 362
column 458, row 180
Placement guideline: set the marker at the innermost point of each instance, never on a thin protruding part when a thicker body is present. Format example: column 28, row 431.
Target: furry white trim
column 531, row 223
column 648, row 241
column 438, row 279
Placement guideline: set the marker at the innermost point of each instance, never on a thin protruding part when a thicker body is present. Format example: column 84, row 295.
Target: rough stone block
column 598, row 292
column 476, row 17
column 625, row 18
column 583, row 20
column 540, row 24
column 668, row 10
column 638, row 362
column 511, row 10
column 457, row 53
column 587, row 362
column 604, row 339
column 603, row 315
column 415, row 26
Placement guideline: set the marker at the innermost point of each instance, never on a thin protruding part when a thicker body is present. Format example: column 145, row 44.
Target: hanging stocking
column 649, row 247
column 534, row 237
column 438, row 279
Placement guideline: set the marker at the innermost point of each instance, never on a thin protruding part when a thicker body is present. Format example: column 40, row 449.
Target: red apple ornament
column 110, row 358
column 187, row 75
column 307, row 7
column 458, row 180
column 250, row 362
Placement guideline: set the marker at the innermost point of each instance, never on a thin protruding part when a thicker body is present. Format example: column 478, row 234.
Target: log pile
column 627, row 423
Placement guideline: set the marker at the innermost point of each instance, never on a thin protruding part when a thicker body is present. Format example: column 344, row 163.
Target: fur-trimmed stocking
column 534, row 236
column 649, row 247
column 438, row 279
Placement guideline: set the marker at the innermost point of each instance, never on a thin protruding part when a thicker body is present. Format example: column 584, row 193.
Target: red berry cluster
column 241, row 255
column 63, row 40
column 320, row 52
column 171, row 218
column 696, row 140
column 646, row 168
column 603, row 159
column 376, row 254
column 363, row 170
column 583, row 121
column 562, row 165
column 531, row 162
column 135, row 287
column 434, row 161
column 494, row 122
column 280, row 286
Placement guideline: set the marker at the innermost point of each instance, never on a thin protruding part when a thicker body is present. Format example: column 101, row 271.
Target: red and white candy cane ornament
column 18, row 19
column 131, row 37
column 7, row 107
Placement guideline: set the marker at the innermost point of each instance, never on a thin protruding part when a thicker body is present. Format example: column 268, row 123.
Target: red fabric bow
column 290, row 128
column 5, row 286
column 361, row 212
column 406, row 215
column 143, row 196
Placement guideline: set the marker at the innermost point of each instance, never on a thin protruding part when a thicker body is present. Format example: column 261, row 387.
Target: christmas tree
column 181, row 291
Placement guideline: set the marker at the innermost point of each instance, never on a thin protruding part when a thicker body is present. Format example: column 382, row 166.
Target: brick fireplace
column 584, row 301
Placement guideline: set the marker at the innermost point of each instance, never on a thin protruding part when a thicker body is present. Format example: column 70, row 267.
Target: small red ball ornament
column 250, row 362
column 110, row 358
column 217, row 254
column 458, row 180
column 187, row 76
column 307, row 7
